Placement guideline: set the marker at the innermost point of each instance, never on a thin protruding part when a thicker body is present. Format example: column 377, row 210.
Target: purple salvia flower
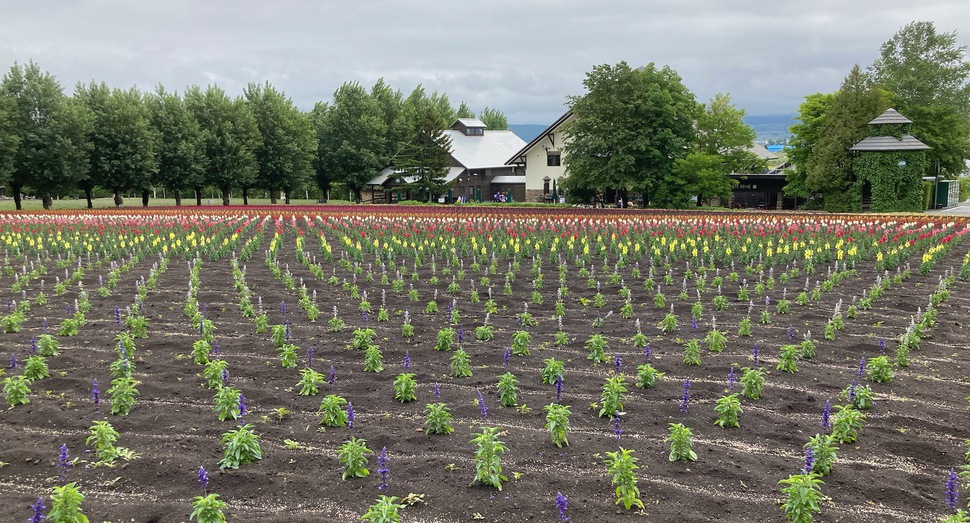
column 862, row 368
column 309, row 356
column 363, row 316
column 952, row 491
column 242, row 405
column 685, row 399
column 732, row 379
column 852, row 392
column 826, row 422
column 95, row 393
column 203, row 479
column 562, row 502
column 791, row 333
column 461, row 333
column 558, row 388
column 33, row 345
column 505, row 357
column 617, row 363
column 882, row 346
column 333, row 375
column 68, row 309
column 215, row 346
column 13, row 362
column 481, row 405
column 617, row 431
column 755, row 353
column 45, row 326
column 38, row 509
column 287, row 326
column 382, row 468
column 350, row 415
column 647, row 352
column 283, row 308
column 225, row 377
column 809, row 459
column 407, row 359
column 117, row 315
column 437, row 390
column 63, row 461
column 693, row 322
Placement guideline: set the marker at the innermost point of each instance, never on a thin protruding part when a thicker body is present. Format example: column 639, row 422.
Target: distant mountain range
column 772, row 127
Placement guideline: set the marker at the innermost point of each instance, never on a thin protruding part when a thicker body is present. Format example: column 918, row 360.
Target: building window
column 545, row 185
column 553, row 159
column 475, row 131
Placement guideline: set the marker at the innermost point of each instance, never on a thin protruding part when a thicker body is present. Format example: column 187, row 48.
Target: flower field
column 492, row 365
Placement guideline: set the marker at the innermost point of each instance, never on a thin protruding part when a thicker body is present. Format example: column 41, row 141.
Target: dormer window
column 475, row 131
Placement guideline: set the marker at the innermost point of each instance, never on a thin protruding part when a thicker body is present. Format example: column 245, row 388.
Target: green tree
column 123, row 154
column 804, row 136
column 721, row 146
column 494, row 119
column 464, row 111
column 50, row 131
column 230, row 137
column 397, row 127
column 427, row 156
column 351, row 136
column 630, row 127
column 9, row 139
column 287, row 143
column 181, row 162
column 927, row 74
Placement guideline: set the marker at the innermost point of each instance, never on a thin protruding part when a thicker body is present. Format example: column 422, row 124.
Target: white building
column 542, row 161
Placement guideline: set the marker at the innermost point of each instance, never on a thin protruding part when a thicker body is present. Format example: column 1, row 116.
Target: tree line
column 920, row 72
column 123, row 140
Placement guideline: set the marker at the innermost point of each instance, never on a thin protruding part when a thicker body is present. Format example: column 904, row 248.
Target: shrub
column 488, row 458
column 240, row 446
column 437, row 419
column 353, row 456
column 680, row 443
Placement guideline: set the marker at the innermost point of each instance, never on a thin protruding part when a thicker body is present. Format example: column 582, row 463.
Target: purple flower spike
column 506, row 356
column 95, row 392
column 309, row 356
column 852, row 392
column 350, row 415
column 215, row 346
column 117, row 315
column 862, row 368
column 826, row 416
column 382, row 468
column 38, row 509
column 882, row 346
column 407, row 359
column 45, row 326
column 13, row 362
column 693, row 322
column 952, row 491
column 283, row 308
column 647, row 352
column 287, row 325
column 63, row 461
column 364, row 316
column 791, row 333
column 243, row 410
column 558, row 388
column 617, row 363
column 225, row 377
column 754, row 354
column 562, row 502
column 461, row 334
column 732, row 379
column 33, row 345
column 203, row 479
column 809, row 459
column 481, row 405
column 333, row 375
column 685, row 399
column 617, row 431
column 437, row 390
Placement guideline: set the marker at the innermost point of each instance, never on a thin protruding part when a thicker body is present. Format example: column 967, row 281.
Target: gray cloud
column 522, row 57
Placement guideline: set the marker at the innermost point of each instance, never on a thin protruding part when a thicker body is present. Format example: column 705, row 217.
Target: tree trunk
column 145, row 195
column 48, row 202
column 272, row 195
column 225, row 196
column 17, row 195
column 178, row 198
column 357, row 195
column 198, row 196
column 89, row 196
column 245, row 195
column 286, row 196
column 119, row 201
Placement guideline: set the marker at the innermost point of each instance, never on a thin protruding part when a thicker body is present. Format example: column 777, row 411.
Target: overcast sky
column 523, row 57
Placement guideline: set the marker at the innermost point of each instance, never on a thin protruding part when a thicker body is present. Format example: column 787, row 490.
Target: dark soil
column 895, row 472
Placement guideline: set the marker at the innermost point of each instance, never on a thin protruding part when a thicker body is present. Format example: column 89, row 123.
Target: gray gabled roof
column 555, row 125
column 470, row 122
column 487, row 151
column 890, row 143
column 890, row 116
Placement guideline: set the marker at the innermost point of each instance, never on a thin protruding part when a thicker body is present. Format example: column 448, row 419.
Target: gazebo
column 889, row 165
